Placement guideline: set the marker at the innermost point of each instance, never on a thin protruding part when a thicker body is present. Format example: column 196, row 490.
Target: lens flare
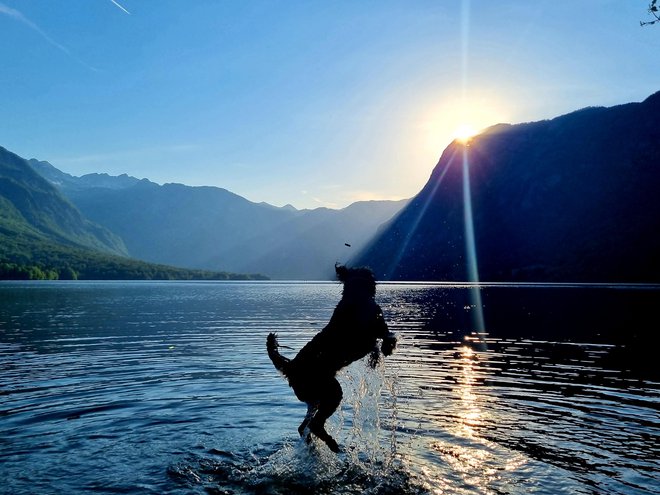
column 464, row 133
column 479, row 325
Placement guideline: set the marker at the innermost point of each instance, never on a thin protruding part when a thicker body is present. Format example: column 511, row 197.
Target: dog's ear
column 342, row 272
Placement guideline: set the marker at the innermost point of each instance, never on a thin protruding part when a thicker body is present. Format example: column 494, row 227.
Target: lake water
column 165, row 387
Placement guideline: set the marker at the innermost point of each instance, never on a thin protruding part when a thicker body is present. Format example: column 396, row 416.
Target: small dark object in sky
column 347, row 244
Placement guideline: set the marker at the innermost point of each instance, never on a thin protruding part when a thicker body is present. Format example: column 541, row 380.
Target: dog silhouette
column 353, row 332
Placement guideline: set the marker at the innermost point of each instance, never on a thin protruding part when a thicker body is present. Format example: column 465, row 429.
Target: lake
column 166, row 387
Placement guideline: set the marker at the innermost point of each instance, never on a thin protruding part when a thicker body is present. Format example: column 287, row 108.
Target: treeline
column 29, row 258
column 13, row 271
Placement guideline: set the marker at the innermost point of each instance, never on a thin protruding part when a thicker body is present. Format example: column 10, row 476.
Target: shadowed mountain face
column 574, row 198
column 174, row 224
column 307, row 245
column 212, row 228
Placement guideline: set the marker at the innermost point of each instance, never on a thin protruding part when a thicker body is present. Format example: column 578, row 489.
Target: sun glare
column 452, row 118
column 464, row 133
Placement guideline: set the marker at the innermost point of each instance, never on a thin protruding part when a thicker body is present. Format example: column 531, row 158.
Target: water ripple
column 166, row 388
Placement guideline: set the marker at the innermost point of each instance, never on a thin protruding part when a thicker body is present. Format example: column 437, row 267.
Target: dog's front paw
column 271, row 340
column 388, row 345
column 374, row 358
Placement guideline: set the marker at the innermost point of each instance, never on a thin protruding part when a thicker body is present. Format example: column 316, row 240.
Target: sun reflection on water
column 474, row 463
column 470, row 413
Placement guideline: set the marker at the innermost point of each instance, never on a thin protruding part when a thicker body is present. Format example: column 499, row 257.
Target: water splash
column 369, row 463
column 292, row 468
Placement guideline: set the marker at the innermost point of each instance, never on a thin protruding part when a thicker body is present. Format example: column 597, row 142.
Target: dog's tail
column 281, row 363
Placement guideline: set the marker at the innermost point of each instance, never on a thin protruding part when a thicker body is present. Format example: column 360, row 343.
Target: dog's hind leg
column 330, row 400
column 311, row 411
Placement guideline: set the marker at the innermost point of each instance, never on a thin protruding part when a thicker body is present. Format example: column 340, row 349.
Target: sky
column 310, row 103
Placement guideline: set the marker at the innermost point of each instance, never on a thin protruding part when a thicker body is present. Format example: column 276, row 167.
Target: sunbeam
column 468, row 220
column 414, row 224
column 465, row 35
column 471, row 250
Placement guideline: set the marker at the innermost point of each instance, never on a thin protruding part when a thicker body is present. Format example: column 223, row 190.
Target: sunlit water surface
column 167, row 388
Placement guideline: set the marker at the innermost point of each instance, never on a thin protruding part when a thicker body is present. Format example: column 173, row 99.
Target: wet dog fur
column 356, row 326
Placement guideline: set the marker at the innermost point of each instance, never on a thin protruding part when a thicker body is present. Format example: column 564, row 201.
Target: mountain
column 215, row 229
column 306, row 246
column 31, row 206
column 574, row 199
column 69, row 182
column 44, row 236
column 174, row 224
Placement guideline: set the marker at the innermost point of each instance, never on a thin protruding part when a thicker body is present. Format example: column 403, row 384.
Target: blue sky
column 312, row 103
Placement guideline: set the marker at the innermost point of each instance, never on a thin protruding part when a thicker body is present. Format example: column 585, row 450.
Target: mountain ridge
column 565, row 199
column 212, row 228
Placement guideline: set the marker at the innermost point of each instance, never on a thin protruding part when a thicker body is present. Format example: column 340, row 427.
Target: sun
column 464, row 133
column 446, row 117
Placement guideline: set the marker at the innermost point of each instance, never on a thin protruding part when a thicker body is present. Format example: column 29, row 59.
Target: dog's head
column 358, row 282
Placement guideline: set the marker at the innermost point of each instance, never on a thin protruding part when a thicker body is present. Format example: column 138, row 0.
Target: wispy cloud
column 18, row 16
column 15, row 14
column 345, row 197
column 122, row 8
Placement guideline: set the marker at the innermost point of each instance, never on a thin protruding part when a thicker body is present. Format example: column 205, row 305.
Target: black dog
column 352, row 333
